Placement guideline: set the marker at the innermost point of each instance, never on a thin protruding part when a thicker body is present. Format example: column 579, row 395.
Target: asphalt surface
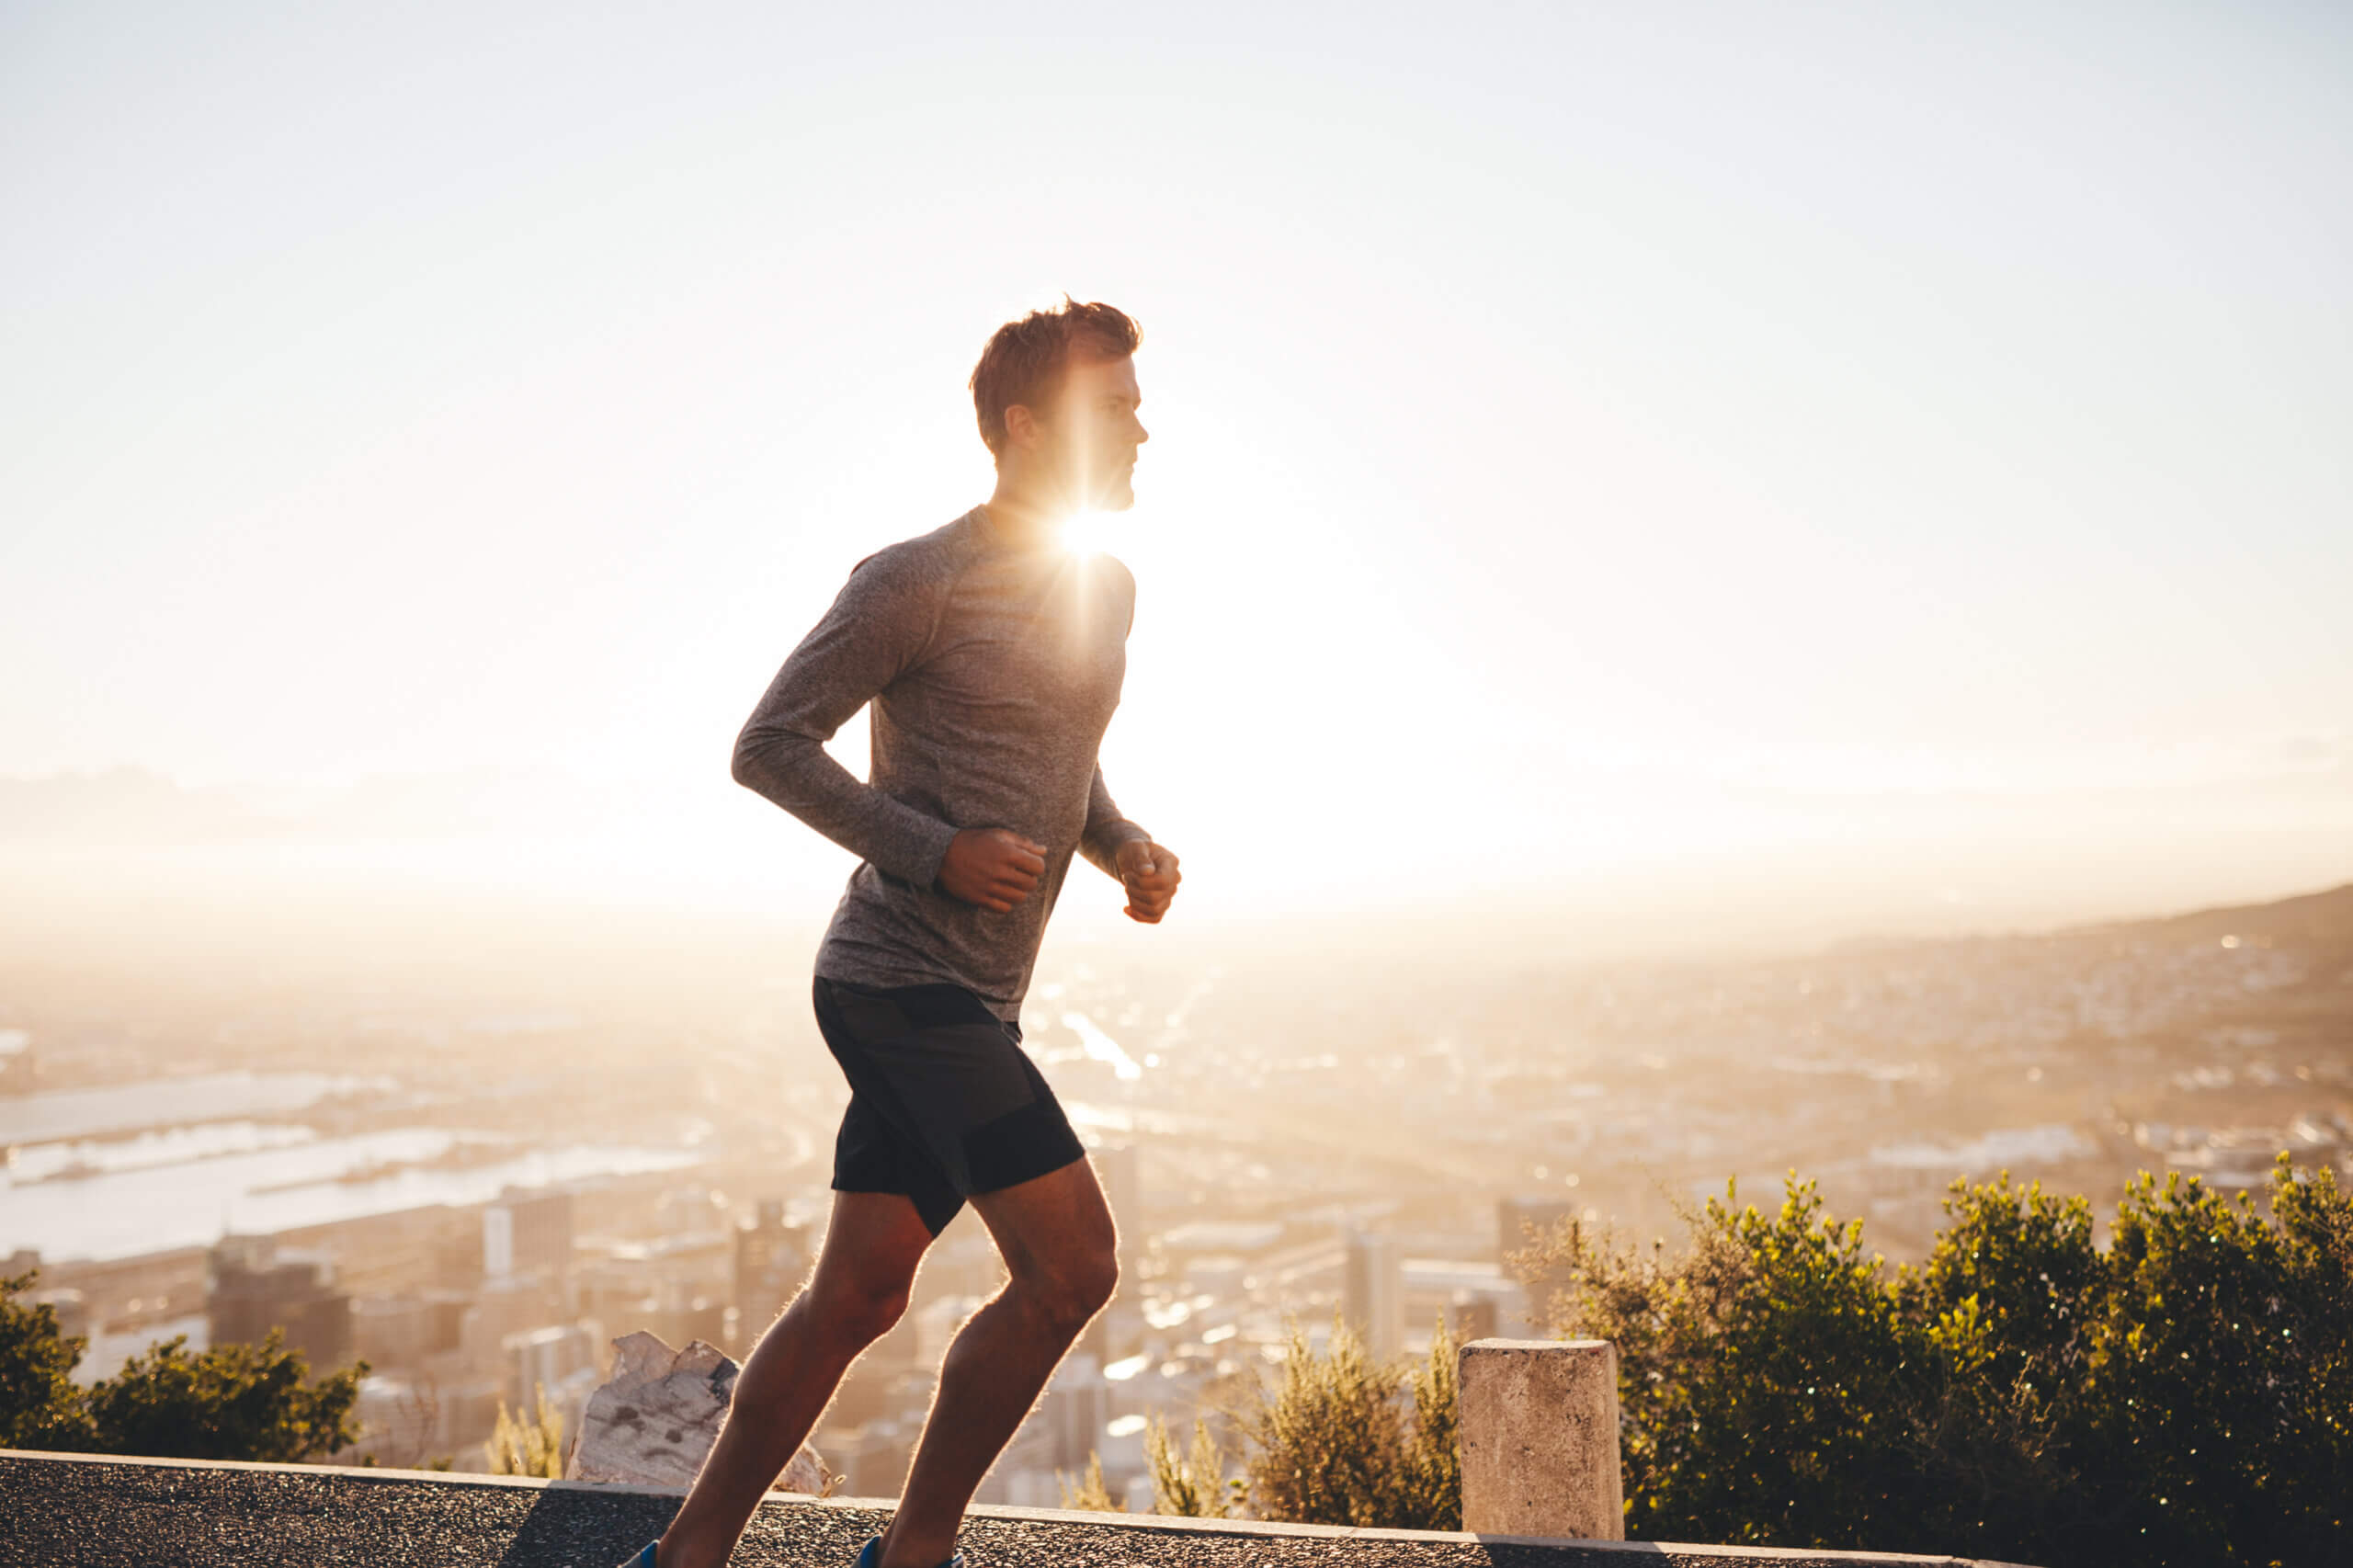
column 82, row 1514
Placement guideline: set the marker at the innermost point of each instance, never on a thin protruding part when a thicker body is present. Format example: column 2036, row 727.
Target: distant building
column 1121, row 1167
column 453, row 1254
column 1373, row 1295
column 1072, row 1413
column 1515, row 1215
column 401, row 1330
column 509, row 1306
column 19, row 1068
column 1115, row 1332
column 392, row 1331
column 1242, row 1237
column 771, row 1259
column 545, row 1359
column 69, row 1306
column 870, row 1458
column 678, row 1288
column 525, row 1231
column 1478, row 1301
column 1024, row 1473
column 1475, row 1316
column 250, row 1288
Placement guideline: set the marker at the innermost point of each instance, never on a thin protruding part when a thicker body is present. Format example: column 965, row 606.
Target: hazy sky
column 1582, row 435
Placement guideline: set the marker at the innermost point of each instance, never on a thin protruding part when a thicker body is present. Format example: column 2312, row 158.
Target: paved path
column 61, row 1512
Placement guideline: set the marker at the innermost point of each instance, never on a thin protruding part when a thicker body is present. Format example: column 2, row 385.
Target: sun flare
column 1089, row 533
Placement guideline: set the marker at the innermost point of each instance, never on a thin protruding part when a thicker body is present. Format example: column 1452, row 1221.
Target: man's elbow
column 747, row 766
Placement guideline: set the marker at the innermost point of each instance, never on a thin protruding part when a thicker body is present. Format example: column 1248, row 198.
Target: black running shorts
column 943, row 1102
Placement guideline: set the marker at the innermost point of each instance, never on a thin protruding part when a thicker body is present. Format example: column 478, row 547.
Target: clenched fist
column 993, row 867
column 1149, row 871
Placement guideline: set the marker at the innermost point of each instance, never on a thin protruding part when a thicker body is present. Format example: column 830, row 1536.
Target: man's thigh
column 1052, row 1224
column 874, row 1242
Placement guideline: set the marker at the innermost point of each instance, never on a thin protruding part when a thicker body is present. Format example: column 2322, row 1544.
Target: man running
column 993, row 658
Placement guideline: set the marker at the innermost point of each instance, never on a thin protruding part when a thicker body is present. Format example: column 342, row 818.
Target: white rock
column 655, row 1421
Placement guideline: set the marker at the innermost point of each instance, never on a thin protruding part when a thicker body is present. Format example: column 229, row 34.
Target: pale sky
column 1605, row 436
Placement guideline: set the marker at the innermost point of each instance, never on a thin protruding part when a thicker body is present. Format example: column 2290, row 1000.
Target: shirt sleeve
column 877, row 629
column 1105, row 829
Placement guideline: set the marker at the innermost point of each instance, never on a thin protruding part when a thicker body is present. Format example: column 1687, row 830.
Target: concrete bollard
column 1540, row 1438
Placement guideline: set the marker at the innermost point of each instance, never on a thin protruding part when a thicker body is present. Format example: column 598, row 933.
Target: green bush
column 2183, row 1397
column 1336, row 1442
column 40, row 1406
column 234, row 1402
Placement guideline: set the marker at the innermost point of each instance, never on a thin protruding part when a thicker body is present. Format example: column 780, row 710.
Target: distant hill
column 2319, row 917
column 2315, row 919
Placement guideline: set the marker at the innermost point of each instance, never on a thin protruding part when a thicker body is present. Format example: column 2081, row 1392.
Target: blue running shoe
column 645, row 1559
column 870, row 1556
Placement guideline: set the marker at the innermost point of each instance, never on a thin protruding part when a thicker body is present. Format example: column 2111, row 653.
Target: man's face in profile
column 1096, row 432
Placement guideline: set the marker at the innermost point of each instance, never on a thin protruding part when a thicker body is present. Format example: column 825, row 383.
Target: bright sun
column 1089, row 533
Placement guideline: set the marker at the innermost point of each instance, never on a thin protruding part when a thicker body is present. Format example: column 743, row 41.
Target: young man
column 993, row 658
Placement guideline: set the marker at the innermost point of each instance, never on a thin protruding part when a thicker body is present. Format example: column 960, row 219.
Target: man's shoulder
column 1113, row 578
column 927, row 559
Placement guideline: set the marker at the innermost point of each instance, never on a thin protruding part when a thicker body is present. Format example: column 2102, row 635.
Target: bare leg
column 873, row 1244
column 1060, row 1247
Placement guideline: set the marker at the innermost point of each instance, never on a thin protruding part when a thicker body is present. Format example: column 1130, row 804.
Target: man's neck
column 1022, row 520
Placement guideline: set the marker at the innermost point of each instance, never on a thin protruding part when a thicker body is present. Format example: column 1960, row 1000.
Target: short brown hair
column 1025, row 360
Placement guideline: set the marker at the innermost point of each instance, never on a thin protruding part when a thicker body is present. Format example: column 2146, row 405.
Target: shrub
column 1194, row 1486
column 1429, row 1478
column 40, row 1406
column 1088, row 1492
column 528, row 1448
column 1336, row 1443
column 234, row 1402
column 2182, row 1398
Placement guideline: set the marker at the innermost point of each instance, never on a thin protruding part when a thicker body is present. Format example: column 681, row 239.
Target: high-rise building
column 392, row 1331
column 509, row 1305
column 544, row 1358
column 527, row 1230
column 1375, row 1295
column 771, row 1259
column 1120, row 1167
column 1076, row 1404
column 250, row 1288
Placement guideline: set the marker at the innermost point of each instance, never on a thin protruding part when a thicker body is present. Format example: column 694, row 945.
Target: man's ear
column 1020, row 425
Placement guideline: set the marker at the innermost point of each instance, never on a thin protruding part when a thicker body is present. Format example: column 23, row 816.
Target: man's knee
column 1074, row 1291
column 856, row 1314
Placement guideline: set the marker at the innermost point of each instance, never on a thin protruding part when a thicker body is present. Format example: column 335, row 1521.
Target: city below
column 476, row 1192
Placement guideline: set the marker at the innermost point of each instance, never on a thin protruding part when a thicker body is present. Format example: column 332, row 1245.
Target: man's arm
column 1105, row 829
column 876, row 629
column 1146, row 869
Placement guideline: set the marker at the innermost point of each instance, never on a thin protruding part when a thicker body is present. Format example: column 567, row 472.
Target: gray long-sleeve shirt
column 993, row 672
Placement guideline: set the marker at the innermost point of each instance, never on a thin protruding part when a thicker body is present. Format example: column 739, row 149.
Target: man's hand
column 993, row 867
column 1149, row 871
